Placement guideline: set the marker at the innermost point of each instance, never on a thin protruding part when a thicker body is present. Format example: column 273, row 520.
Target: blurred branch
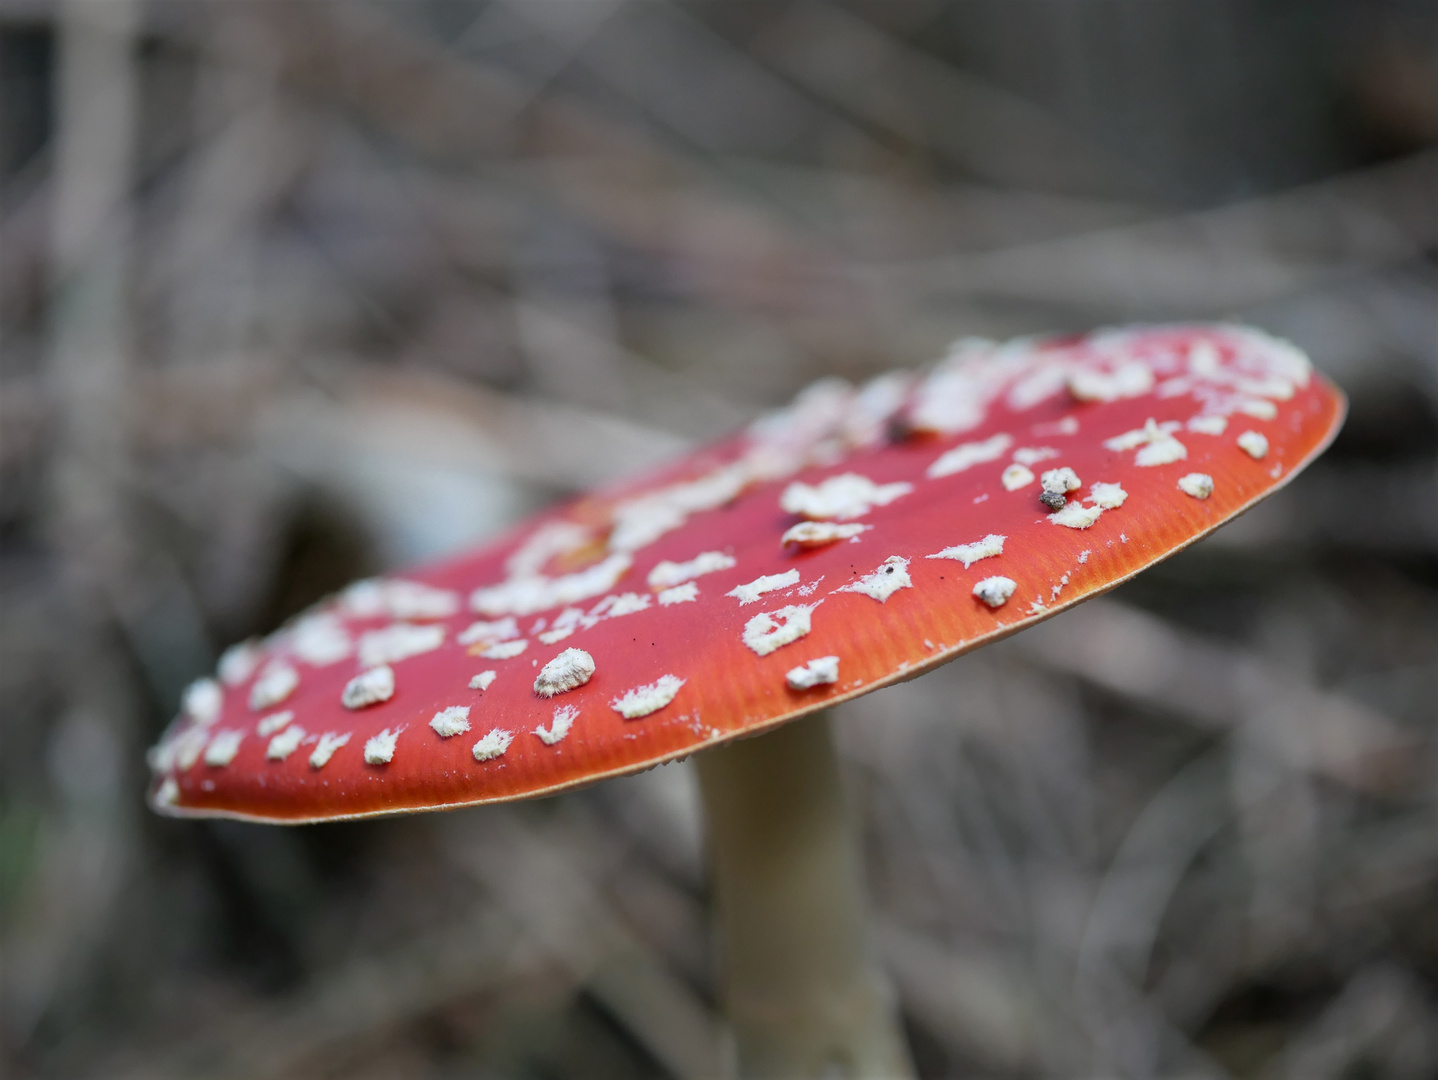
column 345, row 1010
column 249, row 149
column 1220, row 687
column 464, row 113
column 1211, row 262
column 1385, row 1020
column 533, row 874
column 63, row 917
column 981, row 1004
column 991, row 133
column 291, row 281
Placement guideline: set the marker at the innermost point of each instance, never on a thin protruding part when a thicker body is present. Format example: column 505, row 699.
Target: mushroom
column 808, row 560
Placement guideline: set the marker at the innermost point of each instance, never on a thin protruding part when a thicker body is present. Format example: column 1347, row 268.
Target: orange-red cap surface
column 853, row 539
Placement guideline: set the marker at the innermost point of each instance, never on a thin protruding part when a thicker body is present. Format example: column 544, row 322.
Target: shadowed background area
column 293, row 293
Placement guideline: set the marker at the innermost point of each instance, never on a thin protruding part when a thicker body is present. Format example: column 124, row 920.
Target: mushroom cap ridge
column 578, row 575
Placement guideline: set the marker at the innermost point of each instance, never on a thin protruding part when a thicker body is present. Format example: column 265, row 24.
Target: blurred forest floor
column 290, row 293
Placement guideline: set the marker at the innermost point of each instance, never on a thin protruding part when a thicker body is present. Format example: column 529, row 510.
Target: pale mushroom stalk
column 799, row 990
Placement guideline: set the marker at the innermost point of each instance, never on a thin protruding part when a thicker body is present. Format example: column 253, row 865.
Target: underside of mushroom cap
column 665, row 614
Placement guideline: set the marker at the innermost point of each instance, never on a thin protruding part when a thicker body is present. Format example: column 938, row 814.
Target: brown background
column 293, row 292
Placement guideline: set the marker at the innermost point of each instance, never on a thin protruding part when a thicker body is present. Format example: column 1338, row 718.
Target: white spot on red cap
column 1043, row 383
column 968, row 554
column 891, row 576
column 570, row 669
column 995, row 591
column 168, row 793
column 364, row 599
column 1032, row 455
column 638, row 522
column 268, row 725
column 1253, row 444
column 1128, row 380
column 552, row 539
column 325, row 749
column 817, row 672
column 872, row 407
column 643, row 700
column 320, row 639
column 1197, row 484
column 1060, row 481
column 749, row 592
column 1155, row 443
column 398, row 599
column 613, row 607
column 772, row 630
column 238, row 662
column 1016, row 476
column 842, row 497
column 1208, row 424
column 679, row 594
column 189, row 746
column 804, row 431
column 276, row 682
column 1151, row 432
column 1069, row 425
column 415, row 600
column 399, row 641
column 957, row 393
column 223, row 747
column 492, row 745
column 667, row 574
column 505, row 650
column 1107, row 496
column 1076, row 516
column 559, row 726
column 812, row 534
column 1204, row 360
column 1059, row 587
column 369, row 688
column 1163, row 452
column 161, row 757
column 285, row 743
column 451, row 721
column 379, row 748
column 489, row 631
column 967, row 455
column 570, row 618
column 482, row 681
column 526, row 595
column 203, row 701
column 1269, row 386
column 1258, row 409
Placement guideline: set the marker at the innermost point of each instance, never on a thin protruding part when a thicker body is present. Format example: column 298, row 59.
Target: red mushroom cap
column 854, row 539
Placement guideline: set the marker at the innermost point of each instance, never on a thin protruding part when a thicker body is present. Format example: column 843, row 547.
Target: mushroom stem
column 801, row 996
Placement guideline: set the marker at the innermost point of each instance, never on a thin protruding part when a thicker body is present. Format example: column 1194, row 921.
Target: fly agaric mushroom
column 851, row 540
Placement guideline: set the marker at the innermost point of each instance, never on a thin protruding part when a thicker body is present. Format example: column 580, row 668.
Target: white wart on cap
column 570, row 669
